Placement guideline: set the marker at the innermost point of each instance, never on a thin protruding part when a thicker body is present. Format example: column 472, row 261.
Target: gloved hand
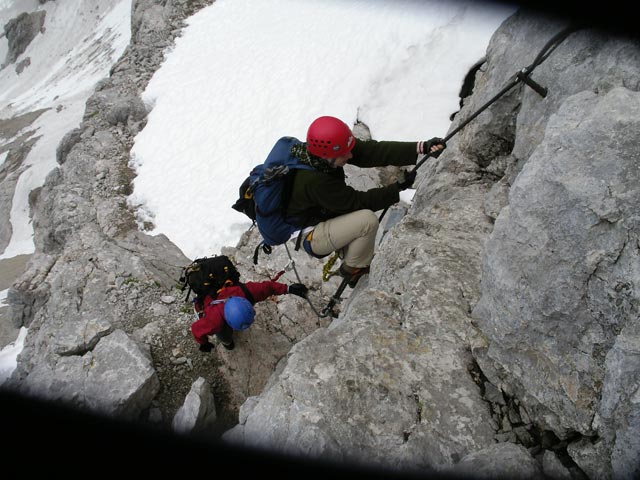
column 407, row 181
column 206, row 347
column 298, row 289
column 426, row 147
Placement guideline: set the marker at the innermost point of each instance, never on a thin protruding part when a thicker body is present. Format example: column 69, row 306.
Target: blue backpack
column 262, row 194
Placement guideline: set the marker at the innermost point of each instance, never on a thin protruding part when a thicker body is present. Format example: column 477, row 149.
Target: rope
column 295, row 270
column 523, row 75
column 551, row 45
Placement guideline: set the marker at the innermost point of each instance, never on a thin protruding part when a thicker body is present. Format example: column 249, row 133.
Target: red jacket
column 211, row 316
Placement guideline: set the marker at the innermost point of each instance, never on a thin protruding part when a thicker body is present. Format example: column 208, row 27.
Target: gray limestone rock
column 562, row 258
column 502, row 460
column 21, row 31
column 115, row 378
column 557, row 274
column 589, row 455
column 619, row 414
column 538, row 309
column 553, row 467
column 94, row 278
column 198, row 411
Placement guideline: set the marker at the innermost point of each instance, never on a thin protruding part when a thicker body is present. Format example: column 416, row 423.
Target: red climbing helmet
column 329, row 137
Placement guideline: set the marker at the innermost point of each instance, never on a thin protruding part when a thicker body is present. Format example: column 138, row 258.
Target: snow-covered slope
column 77, row 45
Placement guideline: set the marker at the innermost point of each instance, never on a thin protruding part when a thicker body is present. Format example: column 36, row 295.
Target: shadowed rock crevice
column 513, row 424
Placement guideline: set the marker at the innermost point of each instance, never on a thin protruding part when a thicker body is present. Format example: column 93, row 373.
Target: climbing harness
column 523, row 76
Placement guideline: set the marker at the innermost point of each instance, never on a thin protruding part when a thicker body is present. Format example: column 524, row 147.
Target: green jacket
column 317, row 196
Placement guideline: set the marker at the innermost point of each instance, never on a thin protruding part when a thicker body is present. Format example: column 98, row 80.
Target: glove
column 206, row 347
column 298, row 289
column 426, row 147
column 407, row 181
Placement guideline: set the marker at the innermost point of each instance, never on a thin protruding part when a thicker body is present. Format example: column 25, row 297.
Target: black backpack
column 207, row 275
column 245, row 203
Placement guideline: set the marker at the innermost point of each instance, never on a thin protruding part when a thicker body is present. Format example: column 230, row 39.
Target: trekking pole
column 328, row 310
column 335, row 298
column 295, row 270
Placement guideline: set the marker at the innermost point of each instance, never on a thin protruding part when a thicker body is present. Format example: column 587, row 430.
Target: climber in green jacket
column 336, row 216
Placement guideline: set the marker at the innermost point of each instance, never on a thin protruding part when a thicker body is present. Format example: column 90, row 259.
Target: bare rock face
column 522, row 331
column 20, row 31
column 95, row 281
column 501, row 461
column 497, row 333
column 115, row 378
column 95, row 277
column 560, row 267
column 198, row 411
column 12, row 166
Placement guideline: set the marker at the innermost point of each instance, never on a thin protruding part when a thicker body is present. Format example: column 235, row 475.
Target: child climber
column 232, row 309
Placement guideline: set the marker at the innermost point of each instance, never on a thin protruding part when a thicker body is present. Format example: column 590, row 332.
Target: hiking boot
column 229, row 346
column 352, row 273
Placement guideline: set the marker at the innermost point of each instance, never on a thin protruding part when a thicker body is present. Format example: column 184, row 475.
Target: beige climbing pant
column 354, row 233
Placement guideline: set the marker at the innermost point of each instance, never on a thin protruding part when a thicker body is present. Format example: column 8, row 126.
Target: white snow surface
column 246, row 73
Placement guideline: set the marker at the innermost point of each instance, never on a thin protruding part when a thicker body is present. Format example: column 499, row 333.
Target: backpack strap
column 186, row 298
column 245, row 290
column 247, row 293
column 265, row 248
column 299, row 239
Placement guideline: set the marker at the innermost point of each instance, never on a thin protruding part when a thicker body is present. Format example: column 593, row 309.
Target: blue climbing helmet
column 239, row 313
